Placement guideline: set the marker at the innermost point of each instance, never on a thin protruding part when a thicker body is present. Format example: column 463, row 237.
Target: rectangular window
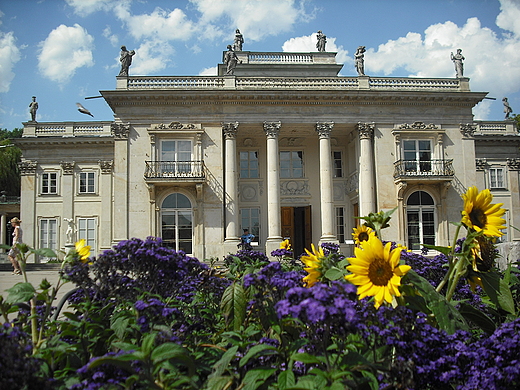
column 291, row 164
column 49, row 233
column 496, row 178
column 250, row 220
column 87, row 182
column 340, row 224
column 417, row 155
column 176, row 157
column 87, row 231
column 248, row 164
column 338, row 164
column 49, row 183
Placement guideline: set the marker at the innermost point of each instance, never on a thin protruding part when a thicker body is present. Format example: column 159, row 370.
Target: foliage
column 10, row 156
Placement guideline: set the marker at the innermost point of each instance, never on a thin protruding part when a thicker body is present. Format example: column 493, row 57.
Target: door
column 296, row 226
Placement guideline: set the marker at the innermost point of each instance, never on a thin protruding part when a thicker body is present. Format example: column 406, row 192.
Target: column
column 120, row 132
column 326, row 187
column 3, row 228
column 274, row 236
column 68, row 193
column 367, row 182
column 231, row 182
column 105, row 192
column 28, row 202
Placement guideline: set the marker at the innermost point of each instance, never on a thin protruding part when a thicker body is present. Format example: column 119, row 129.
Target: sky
column 62, row 51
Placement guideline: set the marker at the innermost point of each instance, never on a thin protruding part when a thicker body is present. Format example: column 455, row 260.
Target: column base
column 231, row 246
column 272, row 244
column 331, row 239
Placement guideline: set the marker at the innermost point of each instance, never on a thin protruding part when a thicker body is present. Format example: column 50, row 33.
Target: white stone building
column 284, row 147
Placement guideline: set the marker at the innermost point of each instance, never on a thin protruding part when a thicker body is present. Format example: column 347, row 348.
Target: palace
column 284, row 147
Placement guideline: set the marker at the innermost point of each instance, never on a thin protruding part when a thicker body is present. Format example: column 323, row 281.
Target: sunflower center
column 363, row 236
column 380, row 272
column 478, row 218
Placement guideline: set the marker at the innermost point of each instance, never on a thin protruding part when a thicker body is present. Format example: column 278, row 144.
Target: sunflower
column 285, row 244
column 480, row 214
column 362, row 233
column 483, row 254
column 82, row 250
column 376, row 270
column 313, row 261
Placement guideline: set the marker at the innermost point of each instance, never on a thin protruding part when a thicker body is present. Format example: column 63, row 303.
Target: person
column 359, row 58
column 322, row 40
column 246, row 239
column 239, row 41
column 14, row 251
column 507, row 108
column 126, row 60
column 230, row 59
column 459, row 65
column 33, row 106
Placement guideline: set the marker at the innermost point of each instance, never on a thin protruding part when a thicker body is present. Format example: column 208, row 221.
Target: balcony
column 174, row 171
column 433, row 171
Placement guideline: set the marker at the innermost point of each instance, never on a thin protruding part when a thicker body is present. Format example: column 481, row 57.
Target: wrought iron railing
column 428, row 168
column 174, row 170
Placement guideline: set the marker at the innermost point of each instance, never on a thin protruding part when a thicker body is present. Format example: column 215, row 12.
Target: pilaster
column 120, row 132
column 68, row 195
column 105, row 194
column 231, row 182
column 367, row 181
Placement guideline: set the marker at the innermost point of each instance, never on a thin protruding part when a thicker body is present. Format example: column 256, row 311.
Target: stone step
column 32, row 267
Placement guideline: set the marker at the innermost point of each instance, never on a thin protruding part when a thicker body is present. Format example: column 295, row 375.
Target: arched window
column 177, row 222
column 420, row 216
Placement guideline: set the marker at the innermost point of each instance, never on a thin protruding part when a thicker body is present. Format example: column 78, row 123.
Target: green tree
column 10, row 155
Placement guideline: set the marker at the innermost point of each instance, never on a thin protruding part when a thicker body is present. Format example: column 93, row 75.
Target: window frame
column 248, row 162
column 41, row 242
column 421, row 210
column 42, row 179
column 91, row 241
column 87, row 185
column 292, row 166
column 490, row 177
column 176, row 227
column 337, row 170
column 247, row 222
column 340, row 223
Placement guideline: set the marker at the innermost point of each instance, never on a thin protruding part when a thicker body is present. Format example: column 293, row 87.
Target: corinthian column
column 326, row 190
column 231, row 181
column 274, row 237
column 367, row 181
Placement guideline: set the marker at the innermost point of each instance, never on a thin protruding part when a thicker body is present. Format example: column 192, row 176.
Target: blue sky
column 62, row 51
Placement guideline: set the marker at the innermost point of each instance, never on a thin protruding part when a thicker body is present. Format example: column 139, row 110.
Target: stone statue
column 359, row 59
column 239, row 41
column 322, row 40
column 457, row 60
column 70, row 230
column 231, row 60
column 126, row 60
column 507, row 108
column 33, row 107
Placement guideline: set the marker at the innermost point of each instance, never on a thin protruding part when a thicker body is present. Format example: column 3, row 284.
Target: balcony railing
column 424, row 169
column 175, row 170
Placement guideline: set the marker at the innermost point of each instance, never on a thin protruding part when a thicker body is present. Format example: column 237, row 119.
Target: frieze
column 175, row 126
column 249, row 192
column 291, row 141
column 353, row 182
column 106, row 166
column 480, row 164
column 27, row 167
column 468, row 129
column 67, row 167
column 120, row 130
column 294, row 188
column 418, row 126
column 513, row 164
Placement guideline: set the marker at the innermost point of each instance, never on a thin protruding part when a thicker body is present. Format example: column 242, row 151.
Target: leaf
column 257, row 350
column 256, row 377
column 148, row 343
column 44, row 252
column 447, row 316
column 233, row 305
column 224, row 361
column 445, row 250
column 498, row 291
column 119, row 322
column 286, row 379
column 167, row 351
column 334, row 273
column 218, row 383
column 20, row 292
column 483, row 321
column 306, row 358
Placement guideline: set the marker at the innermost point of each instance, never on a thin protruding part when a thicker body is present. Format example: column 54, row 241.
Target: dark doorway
column 296, row 226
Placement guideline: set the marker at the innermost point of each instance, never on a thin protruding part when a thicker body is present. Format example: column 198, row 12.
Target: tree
column 10, row 156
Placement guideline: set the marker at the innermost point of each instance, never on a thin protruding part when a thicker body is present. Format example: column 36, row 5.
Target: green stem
column 453, row 283
column 451, row 262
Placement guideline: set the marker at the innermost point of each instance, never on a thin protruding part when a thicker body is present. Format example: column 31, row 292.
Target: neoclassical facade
column 284, row 147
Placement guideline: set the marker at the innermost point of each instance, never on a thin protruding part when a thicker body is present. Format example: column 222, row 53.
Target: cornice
column 41, row 141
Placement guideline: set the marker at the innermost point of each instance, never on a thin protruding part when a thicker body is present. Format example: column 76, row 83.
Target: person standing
column 246, row 239
column 17, row 239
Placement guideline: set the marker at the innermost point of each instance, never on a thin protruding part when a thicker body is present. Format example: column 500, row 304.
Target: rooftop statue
column 33, row 107
column 126, row 60
column 359, row 59
column 507, row 108
column 457, row 60
column 231, row 60
column 239, row 41
column 322, row 40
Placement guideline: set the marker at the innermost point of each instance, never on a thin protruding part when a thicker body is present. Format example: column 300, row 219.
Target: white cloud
column 9, row 56
column 112, row 38
column 87, row 7
column 256, row 19
column 64, row 51
column 492, row 62
column 307, row 43
column 213, row 71
column 151, row 57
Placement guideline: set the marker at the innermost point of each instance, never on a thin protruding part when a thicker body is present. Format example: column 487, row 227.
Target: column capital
column 366, row 130
column 324, row 128
column 272, row 129
column 68, row 167
column 106, row 165
column 467, row 129
column 230, row 130
column 27, row 167
column 120, row 130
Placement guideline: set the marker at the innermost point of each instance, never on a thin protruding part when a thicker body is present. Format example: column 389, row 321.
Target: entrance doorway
column 296, row 226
